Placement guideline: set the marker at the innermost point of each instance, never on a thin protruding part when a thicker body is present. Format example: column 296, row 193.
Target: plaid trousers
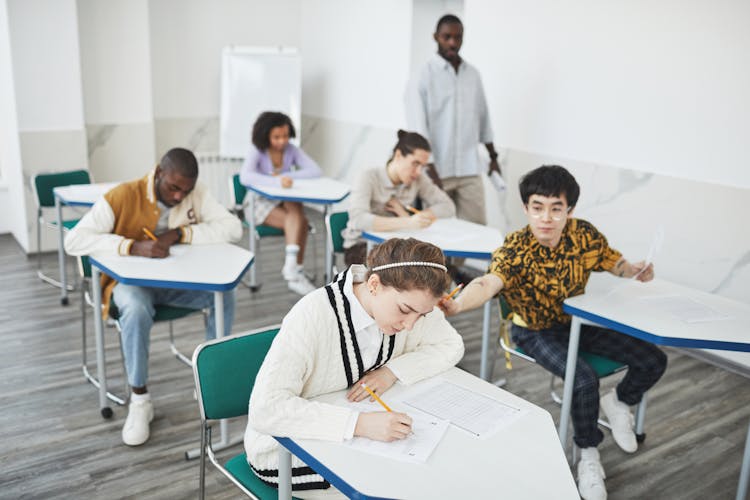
column 646, row 364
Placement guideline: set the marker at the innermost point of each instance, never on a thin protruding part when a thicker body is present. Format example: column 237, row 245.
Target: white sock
column 140, row 397
column 590, row 453
column 290, row 259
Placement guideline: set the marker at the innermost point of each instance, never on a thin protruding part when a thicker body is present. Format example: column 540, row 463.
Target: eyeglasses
column 555, row 213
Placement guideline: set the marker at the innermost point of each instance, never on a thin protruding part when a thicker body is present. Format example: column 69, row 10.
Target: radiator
column 216, row 173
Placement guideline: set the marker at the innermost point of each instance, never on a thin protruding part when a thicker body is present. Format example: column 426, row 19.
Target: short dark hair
column 408, row 142
column 549, row 180
column 181, row 161
column 404, row 278
column 263, row 125
column 447, row 19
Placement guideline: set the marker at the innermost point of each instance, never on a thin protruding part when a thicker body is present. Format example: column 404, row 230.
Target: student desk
column 77, row 195
column 523, row 460
column 321, row 191
column 456, row 238
column 624, row 306
column 215, row 267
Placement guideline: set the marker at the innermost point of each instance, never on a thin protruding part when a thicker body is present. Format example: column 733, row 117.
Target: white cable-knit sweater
column 316, row 353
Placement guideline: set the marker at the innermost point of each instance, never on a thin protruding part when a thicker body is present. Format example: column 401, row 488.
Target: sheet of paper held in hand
column 427, row 431
column 475, row 413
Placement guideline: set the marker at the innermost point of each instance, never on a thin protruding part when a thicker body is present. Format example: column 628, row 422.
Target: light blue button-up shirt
column 449, row 108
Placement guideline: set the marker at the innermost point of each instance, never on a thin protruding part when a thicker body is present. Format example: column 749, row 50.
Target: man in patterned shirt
column 535, row 270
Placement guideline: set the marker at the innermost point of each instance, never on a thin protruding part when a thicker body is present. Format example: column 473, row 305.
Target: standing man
column 446, row 104
column 535, row 270
column 169, row 203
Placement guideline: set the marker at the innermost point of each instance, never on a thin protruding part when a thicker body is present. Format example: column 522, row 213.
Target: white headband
column 411, row 263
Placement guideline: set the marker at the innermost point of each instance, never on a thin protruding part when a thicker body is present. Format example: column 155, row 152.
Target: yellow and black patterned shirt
column 537, row 279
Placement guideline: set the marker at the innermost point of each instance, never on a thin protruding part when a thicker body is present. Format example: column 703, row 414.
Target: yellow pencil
column 455, row 291
column 149, row 234
column 412, row 209
column 375, row 396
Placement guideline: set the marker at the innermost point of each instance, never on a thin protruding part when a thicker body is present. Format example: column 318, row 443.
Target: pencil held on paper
column 148, row 233
column 375, row 397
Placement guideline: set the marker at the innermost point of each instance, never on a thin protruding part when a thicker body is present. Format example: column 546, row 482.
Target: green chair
column 225, row 370
column 603, row 366
column 43, row 185
column 161, row 313
column 335, row 223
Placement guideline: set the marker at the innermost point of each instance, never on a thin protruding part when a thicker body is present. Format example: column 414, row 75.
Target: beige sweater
column 374, row 188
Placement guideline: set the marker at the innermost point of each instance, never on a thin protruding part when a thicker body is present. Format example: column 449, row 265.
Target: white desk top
column 321, row 190
column 521, row 461
column 82, row 194
column 216, row 267
column 455, row 237
column 647, row 311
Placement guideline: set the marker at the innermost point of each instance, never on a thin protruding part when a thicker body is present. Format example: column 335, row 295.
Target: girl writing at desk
column 383, row 197
column 374, row 325
column 274, row 161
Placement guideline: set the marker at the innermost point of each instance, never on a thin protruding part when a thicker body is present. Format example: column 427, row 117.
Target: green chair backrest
column 505, row 310
column 45, row 183
column 225, row 371
column 238, row 190
column 84, row 265
column 336, row 223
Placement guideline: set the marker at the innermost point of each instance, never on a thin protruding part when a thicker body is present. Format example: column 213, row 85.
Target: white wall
column 654, row 86
column 12, row 212
column 115, row 61
column 356, row 60
column 47, row 70
column 186, row 41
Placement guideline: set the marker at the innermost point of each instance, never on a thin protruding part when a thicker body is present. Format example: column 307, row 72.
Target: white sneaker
column 136, row 430
column 300, row 284
column 620, row 420
column 591, row 476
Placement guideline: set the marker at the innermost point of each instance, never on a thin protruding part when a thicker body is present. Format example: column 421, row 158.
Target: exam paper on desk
column 475, row 413
column 427, row 433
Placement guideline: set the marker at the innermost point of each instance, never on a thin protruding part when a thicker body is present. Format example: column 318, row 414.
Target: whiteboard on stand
column 253, row 80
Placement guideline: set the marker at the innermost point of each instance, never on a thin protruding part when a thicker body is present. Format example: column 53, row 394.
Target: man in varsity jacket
column 170, row 204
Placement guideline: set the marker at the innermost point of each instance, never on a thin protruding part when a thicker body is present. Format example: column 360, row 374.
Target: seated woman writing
column 383, row 197
column 274, row 161
column 375, row 325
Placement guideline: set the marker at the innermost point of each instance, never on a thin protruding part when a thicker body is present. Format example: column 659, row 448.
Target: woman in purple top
column 273, row 161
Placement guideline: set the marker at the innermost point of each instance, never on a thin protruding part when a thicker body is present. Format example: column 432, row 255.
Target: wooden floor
column 55, row 444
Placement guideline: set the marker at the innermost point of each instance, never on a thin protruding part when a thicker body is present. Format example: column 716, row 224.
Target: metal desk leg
column 226, row 441
column 60, row 254
column 570, row 371
column 251, row 225
column 745, row 470
column 285, row 474
column 329, row 248
column 101, row 370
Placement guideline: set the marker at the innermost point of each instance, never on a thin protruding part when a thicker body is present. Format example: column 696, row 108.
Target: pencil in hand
column 454, row 291
column 413, row 210
column 375, row 396
column 149, row 234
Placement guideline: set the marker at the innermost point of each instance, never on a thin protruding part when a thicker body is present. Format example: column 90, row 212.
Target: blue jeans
column 136, row 306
